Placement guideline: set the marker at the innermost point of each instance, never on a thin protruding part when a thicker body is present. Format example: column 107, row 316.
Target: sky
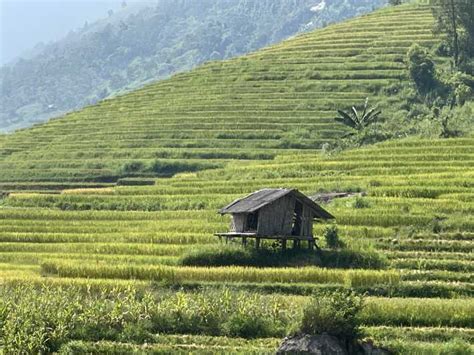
column 24, row 23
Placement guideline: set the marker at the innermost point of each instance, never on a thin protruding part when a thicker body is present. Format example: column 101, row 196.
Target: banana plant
column 358, row 121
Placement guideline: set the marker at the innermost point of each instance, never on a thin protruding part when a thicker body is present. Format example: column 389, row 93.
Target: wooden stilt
column 295, row 244
column 283, row 244
column 244, row 241
column 257, row 243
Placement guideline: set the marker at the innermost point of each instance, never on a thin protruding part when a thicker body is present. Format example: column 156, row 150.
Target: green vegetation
column 421, row 68
column 227, row 255
column 359, row 121
column 88, row 266
column 31, row 321
column 333, row 313
column 234, row 255
column 331, row 235
column 455, row 19
column 279, row 100
column 141, row 44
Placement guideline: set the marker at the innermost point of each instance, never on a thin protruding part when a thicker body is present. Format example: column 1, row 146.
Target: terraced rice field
column 416, row 213
column 81, row 232
column 278, row 99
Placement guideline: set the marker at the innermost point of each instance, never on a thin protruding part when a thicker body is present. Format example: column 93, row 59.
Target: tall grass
column 350, row 278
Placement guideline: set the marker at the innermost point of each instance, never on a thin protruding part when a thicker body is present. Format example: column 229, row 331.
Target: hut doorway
column 252, row 222
column 297, row 219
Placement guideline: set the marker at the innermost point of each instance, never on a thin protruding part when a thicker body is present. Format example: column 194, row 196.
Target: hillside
column 253, row 107
column 102, row 248
column 90, row 267
column 146, row 42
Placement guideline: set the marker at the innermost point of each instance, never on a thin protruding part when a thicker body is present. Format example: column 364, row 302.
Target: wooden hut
column 280, row 214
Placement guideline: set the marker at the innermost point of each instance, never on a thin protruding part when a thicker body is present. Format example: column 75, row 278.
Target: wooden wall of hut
column 238, row 223
column 277, row 217
column 307, row 222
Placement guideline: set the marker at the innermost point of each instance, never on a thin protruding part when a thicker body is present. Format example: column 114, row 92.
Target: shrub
column 335, row 313
column 360, row 202
column 248, row 326
column 352, row 259
column 218, row 255
column 437, row 225
column 234, row 255
column 331, row 235
column 132, row 167
column 228, row 255
column 421, row 68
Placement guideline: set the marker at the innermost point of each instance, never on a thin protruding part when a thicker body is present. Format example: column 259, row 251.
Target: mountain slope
column 139, row 44
column 111, row 258
column 282, row 97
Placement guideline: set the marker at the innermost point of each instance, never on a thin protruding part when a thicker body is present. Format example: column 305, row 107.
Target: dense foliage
column 43, row 319
column 131, row 48
column 455, row 19
column 334, row 313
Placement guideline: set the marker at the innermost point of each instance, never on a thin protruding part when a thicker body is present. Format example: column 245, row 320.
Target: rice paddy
column 223, row 130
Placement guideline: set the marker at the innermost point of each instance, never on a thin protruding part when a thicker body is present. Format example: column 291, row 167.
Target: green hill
column 281, row 98
column 149, row 41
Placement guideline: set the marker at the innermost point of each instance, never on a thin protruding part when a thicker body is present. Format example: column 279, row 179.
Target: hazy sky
column 24, row 23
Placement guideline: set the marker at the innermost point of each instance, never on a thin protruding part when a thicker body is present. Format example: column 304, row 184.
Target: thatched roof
column 262, row 198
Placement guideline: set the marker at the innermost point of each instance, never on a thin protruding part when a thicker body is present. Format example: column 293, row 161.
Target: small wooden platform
column 284, row 239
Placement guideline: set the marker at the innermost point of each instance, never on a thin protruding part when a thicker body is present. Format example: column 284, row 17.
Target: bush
column 364, row 257
column 331, row 235
column 335, row 313
column 360, row 202
column 132, row 167
column 219, row 255
column 421, row 68
column 248, row 326
column 352, row 259
column 235, row 255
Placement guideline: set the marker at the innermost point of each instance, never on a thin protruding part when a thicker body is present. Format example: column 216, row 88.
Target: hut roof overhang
column 264, row 197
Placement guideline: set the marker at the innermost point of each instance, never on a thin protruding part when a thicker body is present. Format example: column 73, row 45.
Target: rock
column 326, row 197
column 325, row 344
column 368, row 348
column 307, row 344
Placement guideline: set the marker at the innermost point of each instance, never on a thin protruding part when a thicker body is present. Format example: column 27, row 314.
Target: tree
column 443, row 112
column 395, row 2
column 455, row 18
column 357, row 121
column 467, row 21
column 421, row 68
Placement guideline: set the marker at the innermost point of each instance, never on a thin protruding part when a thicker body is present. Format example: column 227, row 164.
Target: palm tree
column 358, row 121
